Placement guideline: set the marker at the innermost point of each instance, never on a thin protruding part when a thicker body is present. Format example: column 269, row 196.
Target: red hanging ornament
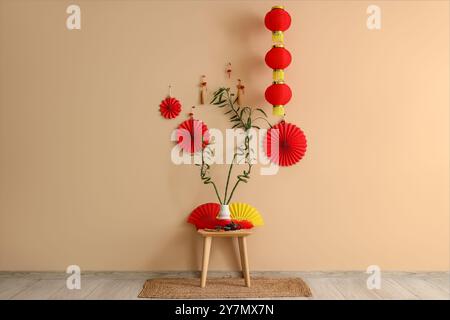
column 278, row 57
column 285, row 144
column 277, row 19
column 192, row 135
column 203, row 90
column 170, row 108
column 229, row 70
column 278, row 94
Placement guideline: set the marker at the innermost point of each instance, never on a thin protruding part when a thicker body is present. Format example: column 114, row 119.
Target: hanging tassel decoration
column 203, row 90
column 240, row 92
column 228, row 70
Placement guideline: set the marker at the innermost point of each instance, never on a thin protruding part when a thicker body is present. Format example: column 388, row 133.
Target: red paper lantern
column 278, row 58
column 277, row 19
column 278, row 94
column 285, row 144
column 190, row 135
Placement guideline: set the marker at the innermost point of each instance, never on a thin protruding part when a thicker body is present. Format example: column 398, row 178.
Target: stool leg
column 244, row 260
column 206, row 251
column 241, row 255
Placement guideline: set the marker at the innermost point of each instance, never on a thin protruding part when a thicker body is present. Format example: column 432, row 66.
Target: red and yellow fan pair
column 205, row 216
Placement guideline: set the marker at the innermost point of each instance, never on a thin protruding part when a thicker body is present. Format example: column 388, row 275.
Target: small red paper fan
column 204, row 216
column 291, row 143
column 170, row 108
column 190, row 133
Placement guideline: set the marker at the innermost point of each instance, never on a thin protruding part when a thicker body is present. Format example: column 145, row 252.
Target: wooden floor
column 126, row 285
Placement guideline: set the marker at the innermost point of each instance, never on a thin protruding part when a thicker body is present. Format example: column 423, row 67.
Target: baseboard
column 196, row 274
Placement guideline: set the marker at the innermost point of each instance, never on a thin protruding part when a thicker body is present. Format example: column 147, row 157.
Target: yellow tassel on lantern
column 278, row 110
column 277, row 37
column 278, row 75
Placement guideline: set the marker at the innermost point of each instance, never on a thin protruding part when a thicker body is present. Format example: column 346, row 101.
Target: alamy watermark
column 374, row 19
column 73, row 21
column 225, row 149
column 374, row 280
column 74, row 280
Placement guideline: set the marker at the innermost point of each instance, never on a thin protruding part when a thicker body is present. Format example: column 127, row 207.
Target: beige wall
column 85, row 170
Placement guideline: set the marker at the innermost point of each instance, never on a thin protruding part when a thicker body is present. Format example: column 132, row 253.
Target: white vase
column 224, row 213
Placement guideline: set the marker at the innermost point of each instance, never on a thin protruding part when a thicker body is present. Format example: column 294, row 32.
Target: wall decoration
column 277, row 20
column 278, row 94
column 284, row 144
column 242, row 211
column 192, row 135
column 278, row 58
column 203, row 90
column 170, row 107
column 228, row 70
column 240, row 92
column 288, row 141
column 291, row 142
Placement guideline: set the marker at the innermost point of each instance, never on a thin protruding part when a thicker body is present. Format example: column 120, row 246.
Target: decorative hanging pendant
column 170, row 107
column 285, row 144
column 278, row 94
column 278, row 58
column 203, row 90
column 240, row 92
column 277, row 20
column 228, row 70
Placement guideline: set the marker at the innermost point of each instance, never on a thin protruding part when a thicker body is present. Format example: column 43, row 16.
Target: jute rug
column 189, row 288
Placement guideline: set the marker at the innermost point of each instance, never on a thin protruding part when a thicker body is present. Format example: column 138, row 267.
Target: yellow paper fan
column 243, row 211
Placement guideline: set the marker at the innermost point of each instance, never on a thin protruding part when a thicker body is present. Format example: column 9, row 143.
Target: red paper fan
column 243, row 224
column 285, row 144
column 170, row 108
column 190, row 135
column 204, row 216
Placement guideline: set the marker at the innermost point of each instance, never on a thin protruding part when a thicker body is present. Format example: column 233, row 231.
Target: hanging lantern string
column 170, row 90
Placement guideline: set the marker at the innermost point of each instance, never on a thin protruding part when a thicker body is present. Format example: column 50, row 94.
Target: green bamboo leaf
column 262, row 111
